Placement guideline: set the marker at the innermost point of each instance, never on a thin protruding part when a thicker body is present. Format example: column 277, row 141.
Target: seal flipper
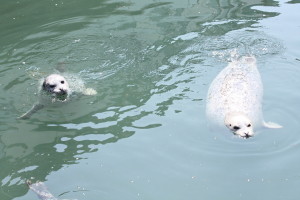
column 41, row 190
column 89, row 91
column 271, row 125
column 33, row 110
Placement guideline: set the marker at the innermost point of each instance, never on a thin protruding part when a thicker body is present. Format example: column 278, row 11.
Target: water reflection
column 142, row 57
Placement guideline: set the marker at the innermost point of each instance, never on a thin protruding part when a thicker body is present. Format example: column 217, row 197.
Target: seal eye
column 62, row 82
column 236, row 128
column 249, row 125
column 52, row 86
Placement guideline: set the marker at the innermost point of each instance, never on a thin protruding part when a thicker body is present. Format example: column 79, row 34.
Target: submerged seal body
column 41, row 190
column 235, row 98
column 57, row 89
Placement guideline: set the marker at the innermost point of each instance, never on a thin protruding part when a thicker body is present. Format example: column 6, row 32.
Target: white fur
column 239, row 124
column 234, row 98
column 56, row 86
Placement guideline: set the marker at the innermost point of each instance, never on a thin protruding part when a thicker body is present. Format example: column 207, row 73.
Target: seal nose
column 62, row 91
column 247, row 135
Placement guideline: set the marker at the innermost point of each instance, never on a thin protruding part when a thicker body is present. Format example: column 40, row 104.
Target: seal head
column 57, row 86
column 239, row 124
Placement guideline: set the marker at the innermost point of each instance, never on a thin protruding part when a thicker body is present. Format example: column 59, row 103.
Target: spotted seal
column 56, row 89
column 234, row 98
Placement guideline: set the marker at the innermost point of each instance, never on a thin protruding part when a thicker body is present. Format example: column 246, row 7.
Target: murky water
column 145, row 134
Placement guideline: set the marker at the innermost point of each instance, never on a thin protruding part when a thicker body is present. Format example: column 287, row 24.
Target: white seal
column 235, row 98
column 56, row 89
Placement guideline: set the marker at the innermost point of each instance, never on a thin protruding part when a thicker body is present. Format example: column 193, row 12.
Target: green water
column 145, row 135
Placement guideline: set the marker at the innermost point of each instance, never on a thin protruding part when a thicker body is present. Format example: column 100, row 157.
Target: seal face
column 234, row 98
column 56, row 86
column 239, row 124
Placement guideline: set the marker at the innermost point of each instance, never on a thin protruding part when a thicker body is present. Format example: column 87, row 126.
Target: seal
column 40, row 189
column 234, row 98
column 56, row 89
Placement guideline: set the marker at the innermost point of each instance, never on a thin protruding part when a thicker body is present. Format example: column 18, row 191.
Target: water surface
column 145, row 135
